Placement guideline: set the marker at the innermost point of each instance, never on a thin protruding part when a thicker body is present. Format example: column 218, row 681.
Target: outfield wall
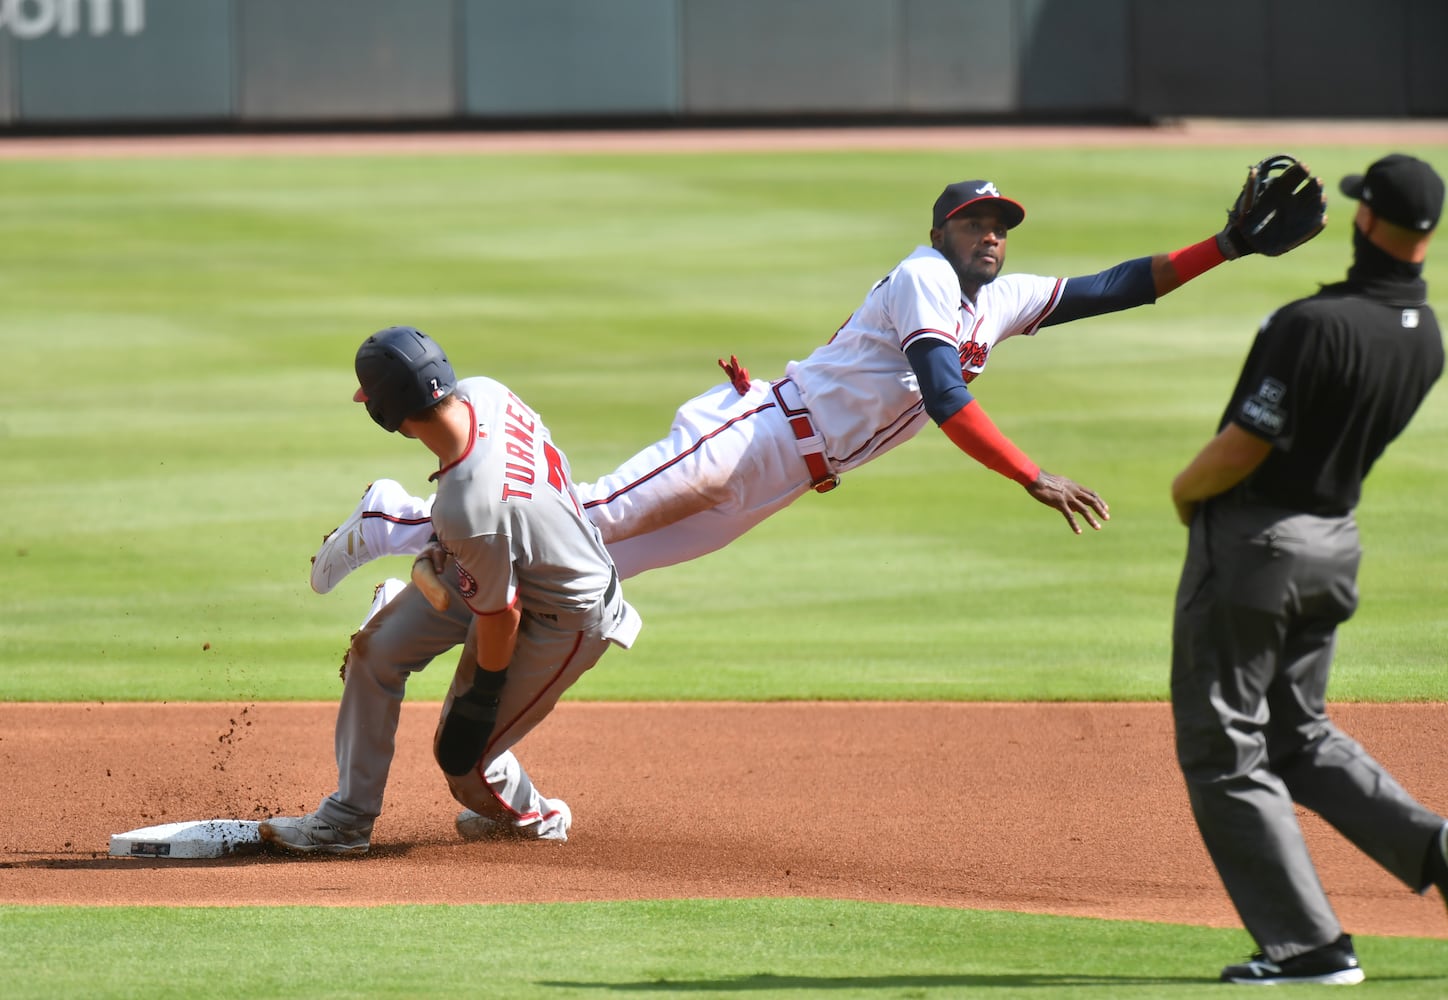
column 257, row 63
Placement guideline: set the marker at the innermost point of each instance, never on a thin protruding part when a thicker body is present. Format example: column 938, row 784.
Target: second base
column 203, row 838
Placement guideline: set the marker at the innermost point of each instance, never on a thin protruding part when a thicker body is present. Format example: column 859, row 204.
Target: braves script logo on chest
column 972, row 358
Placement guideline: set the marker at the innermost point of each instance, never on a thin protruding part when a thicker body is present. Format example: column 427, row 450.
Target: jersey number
column 557, row 476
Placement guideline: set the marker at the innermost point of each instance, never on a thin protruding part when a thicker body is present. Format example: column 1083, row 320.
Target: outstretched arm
column 1135, row 282
column 1281, row 206
column 976, row 434
column 949, row 402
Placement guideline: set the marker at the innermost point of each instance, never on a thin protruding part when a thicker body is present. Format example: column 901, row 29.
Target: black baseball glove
column 1281, row 206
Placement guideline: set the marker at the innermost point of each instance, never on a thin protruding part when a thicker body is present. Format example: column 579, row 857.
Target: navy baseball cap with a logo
column 962, row 193
column 1401, row 189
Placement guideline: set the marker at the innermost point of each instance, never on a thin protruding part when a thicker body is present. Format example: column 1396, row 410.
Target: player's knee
column 371, row 657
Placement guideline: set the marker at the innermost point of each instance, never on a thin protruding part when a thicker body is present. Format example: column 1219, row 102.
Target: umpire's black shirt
column 1331, row 379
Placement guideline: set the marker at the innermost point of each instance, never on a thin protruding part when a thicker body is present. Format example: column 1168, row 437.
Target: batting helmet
column 402, row 372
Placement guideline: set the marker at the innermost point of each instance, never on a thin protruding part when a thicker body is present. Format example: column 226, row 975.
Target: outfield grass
column 177, row 433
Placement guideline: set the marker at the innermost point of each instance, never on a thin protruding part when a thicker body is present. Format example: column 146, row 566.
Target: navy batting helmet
column 402, row 372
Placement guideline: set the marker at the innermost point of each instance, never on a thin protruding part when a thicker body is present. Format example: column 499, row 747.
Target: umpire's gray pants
column 1261, row 595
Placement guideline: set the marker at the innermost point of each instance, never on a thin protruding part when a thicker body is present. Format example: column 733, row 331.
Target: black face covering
column 1371, row 263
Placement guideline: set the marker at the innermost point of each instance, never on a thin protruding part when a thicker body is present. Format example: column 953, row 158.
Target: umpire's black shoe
column 1333, row 964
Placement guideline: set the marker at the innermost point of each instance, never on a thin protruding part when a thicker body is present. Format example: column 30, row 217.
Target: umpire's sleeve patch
column 1264, row 409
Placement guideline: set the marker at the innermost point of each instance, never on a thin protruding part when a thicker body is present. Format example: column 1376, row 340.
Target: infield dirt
column 1073, row 809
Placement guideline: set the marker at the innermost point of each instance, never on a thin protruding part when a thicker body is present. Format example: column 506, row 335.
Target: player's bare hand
column 1070, row 498
column 434, row 553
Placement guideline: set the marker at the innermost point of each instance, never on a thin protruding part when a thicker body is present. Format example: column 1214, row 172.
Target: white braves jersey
column 508, row 513
column 860, row 388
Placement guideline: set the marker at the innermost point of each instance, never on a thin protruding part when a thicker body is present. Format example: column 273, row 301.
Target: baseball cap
column 1402, row 189
column 963, row 193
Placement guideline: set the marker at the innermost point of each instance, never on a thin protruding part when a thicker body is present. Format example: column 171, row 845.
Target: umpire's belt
column 806, row 439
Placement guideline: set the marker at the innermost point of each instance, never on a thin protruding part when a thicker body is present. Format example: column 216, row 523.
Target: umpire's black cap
column 401, row 372
column 962, row 193
column 1402, row 189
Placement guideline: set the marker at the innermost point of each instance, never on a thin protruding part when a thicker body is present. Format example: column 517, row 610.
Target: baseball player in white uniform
column 531, row 594
column 749, row 447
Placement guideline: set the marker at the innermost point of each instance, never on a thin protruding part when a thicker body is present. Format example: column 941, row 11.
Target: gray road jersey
column 507, row 512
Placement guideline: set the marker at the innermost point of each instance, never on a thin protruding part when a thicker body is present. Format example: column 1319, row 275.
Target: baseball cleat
column 1333, row 964
column 345, row 548
column 310, row 835
column 557, row 820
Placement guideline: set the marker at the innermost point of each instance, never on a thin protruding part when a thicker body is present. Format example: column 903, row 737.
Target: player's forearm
column 496, row 636
column 977, row 435
column 1172, row 270
column 950, row 404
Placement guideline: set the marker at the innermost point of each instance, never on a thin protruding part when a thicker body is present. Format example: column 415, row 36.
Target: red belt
column 808, row 440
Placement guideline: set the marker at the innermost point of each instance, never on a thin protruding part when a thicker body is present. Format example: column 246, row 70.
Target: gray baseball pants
column 402, row 639
column 1262, row 592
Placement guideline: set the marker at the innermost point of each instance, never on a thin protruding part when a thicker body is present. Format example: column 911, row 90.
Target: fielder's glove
column 1281, row 206
column 469, row 723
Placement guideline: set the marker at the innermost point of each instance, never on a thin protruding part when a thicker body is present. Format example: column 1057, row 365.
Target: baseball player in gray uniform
column 531, row 593
column 907, row 356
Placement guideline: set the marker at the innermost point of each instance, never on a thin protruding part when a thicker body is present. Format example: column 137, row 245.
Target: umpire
column 1270, row 572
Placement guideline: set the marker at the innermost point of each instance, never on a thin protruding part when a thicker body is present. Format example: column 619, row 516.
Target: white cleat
column 556, row 822
column 345, row 548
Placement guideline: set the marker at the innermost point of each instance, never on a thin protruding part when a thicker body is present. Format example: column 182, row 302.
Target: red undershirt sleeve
column 977, row 435
column 1196, row 259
